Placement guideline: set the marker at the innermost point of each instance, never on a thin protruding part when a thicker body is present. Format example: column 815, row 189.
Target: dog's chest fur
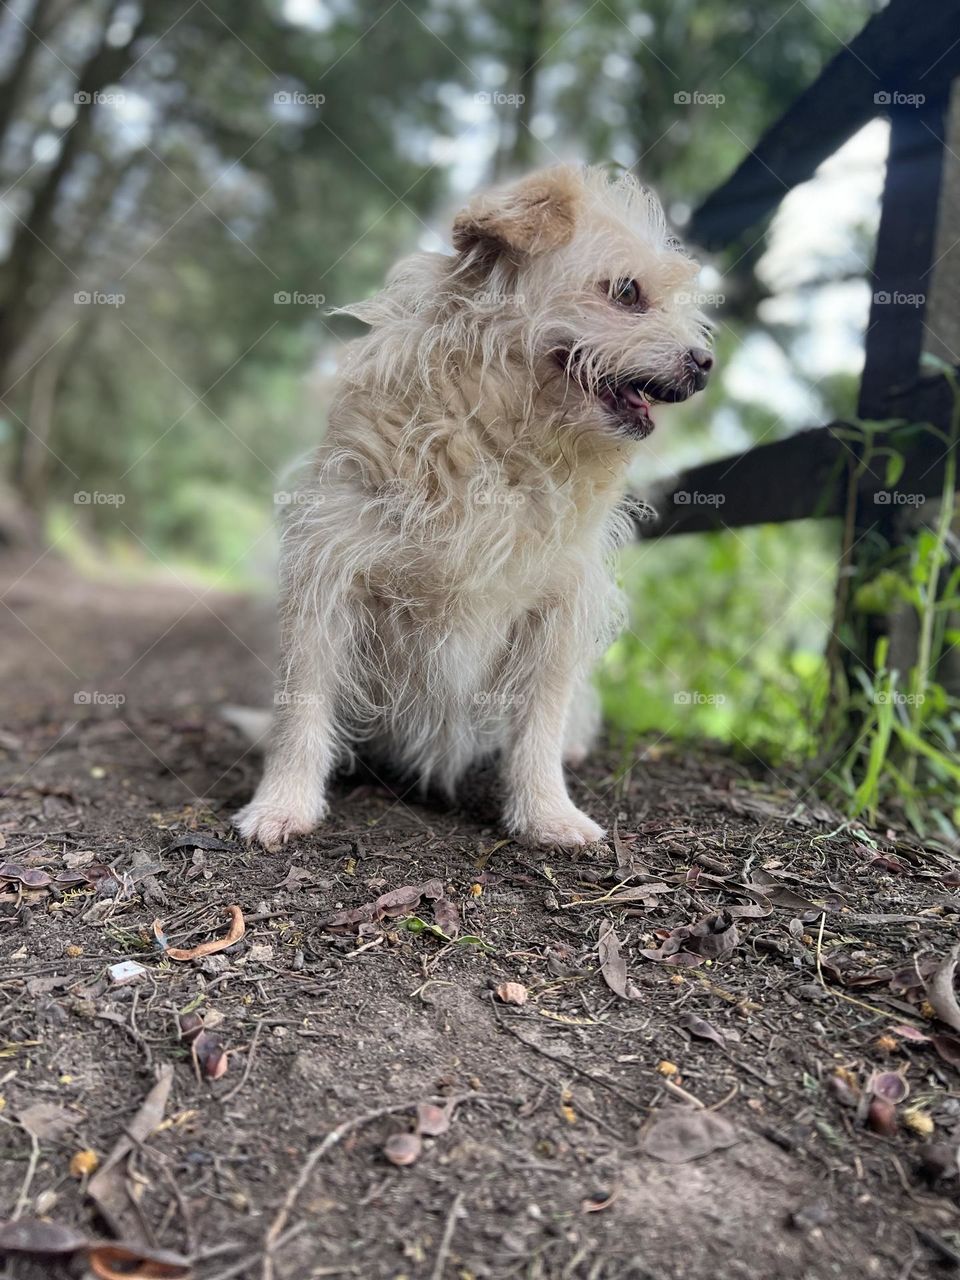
column 454, row 573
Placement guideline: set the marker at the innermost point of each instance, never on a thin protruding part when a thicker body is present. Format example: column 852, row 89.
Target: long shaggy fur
column 446, row 563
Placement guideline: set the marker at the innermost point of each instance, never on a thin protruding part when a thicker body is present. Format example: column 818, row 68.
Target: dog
column 446, row 565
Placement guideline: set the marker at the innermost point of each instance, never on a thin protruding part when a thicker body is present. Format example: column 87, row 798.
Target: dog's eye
column 627, row 293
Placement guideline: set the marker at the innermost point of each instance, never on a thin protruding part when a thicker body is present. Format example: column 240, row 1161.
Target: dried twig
column 335, row 1136
column 683, row 1095
column 24, row 1196
column 232, row 1093
column 568, row 1065
column 447, row 1240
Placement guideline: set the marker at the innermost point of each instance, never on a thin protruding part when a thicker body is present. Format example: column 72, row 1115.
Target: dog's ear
column 530, row 217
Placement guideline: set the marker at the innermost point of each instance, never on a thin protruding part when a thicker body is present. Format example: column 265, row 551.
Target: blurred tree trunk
column 531, row 25
column 29, row 248
column 39, row 23
column 34, row 461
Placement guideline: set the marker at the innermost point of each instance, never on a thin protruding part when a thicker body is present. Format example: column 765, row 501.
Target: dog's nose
column 701, row 362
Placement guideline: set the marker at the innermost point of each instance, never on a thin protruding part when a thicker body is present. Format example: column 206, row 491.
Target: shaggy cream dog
column 446, row 578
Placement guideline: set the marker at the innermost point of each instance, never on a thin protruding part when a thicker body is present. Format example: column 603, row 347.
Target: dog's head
column 581, row 270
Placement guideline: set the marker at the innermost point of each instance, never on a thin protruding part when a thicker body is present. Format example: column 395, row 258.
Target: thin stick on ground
column 272, row 1238
column 24, row 1196
column 232, row 1093
column 570, row 1066
column 306, row 1169
column 447, row 1240
column 683, row 1095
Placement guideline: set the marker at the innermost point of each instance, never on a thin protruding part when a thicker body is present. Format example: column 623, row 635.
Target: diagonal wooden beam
column 802, row 477
column 908, row 48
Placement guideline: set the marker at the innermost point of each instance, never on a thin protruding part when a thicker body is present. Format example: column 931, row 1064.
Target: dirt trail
column 545, row 1168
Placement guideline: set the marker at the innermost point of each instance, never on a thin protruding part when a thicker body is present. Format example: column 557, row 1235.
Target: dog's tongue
column 632, row 397
column 630, row 405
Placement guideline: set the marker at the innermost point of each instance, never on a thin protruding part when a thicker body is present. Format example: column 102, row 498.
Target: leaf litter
column 108, row 1260
column 397, row 902
column 709, row 939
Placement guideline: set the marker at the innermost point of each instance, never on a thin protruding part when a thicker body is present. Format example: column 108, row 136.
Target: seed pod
column 403, row 1148
column 882, row 1117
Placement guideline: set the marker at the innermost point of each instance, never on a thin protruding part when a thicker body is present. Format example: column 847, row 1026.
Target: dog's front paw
column 271, row 824
column 568, row 828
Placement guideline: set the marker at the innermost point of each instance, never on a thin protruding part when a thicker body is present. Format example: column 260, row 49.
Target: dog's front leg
column 539, row 810
column 291, row 798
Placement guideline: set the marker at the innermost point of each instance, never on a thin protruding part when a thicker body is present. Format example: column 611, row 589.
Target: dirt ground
column 730, row 1109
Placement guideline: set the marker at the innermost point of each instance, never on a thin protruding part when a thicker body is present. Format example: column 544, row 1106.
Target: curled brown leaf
column 941, row 993
column 708, row 939
column 388, row 905
column 447, row 917
column 118, row 1262
column 234, row 934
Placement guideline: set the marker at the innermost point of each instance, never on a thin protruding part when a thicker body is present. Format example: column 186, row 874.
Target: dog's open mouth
column 629, row 403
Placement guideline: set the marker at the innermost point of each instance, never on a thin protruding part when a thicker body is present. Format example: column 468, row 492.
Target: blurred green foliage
column 726, row 638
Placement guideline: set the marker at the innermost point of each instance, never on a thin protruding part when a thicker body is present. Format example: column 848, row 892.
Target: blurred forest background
column 190, row 185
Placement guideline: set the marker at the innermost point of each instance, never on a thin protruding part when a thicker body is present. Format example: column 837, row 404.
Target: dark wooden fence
column 904, row 64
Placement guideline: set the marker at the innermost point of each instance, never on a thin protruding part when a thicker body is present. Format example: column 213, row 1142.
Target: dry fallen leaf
column 702, row 1029
column 107, row 1260
column 394, row 903
column 234, row 934
column 30, row 1235
column 948, row 1047
column 109, row 1187
column 512, row 993
column 196, row 840
column 678, row 1136
column 708, row 939
column 447, row 917
column 295, row 878
column 29, row 877
column 432, row 1120
column 612, row 964
column 118, row 1262
column 906, row 1032
column 47, row 1120
column 940, row 991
